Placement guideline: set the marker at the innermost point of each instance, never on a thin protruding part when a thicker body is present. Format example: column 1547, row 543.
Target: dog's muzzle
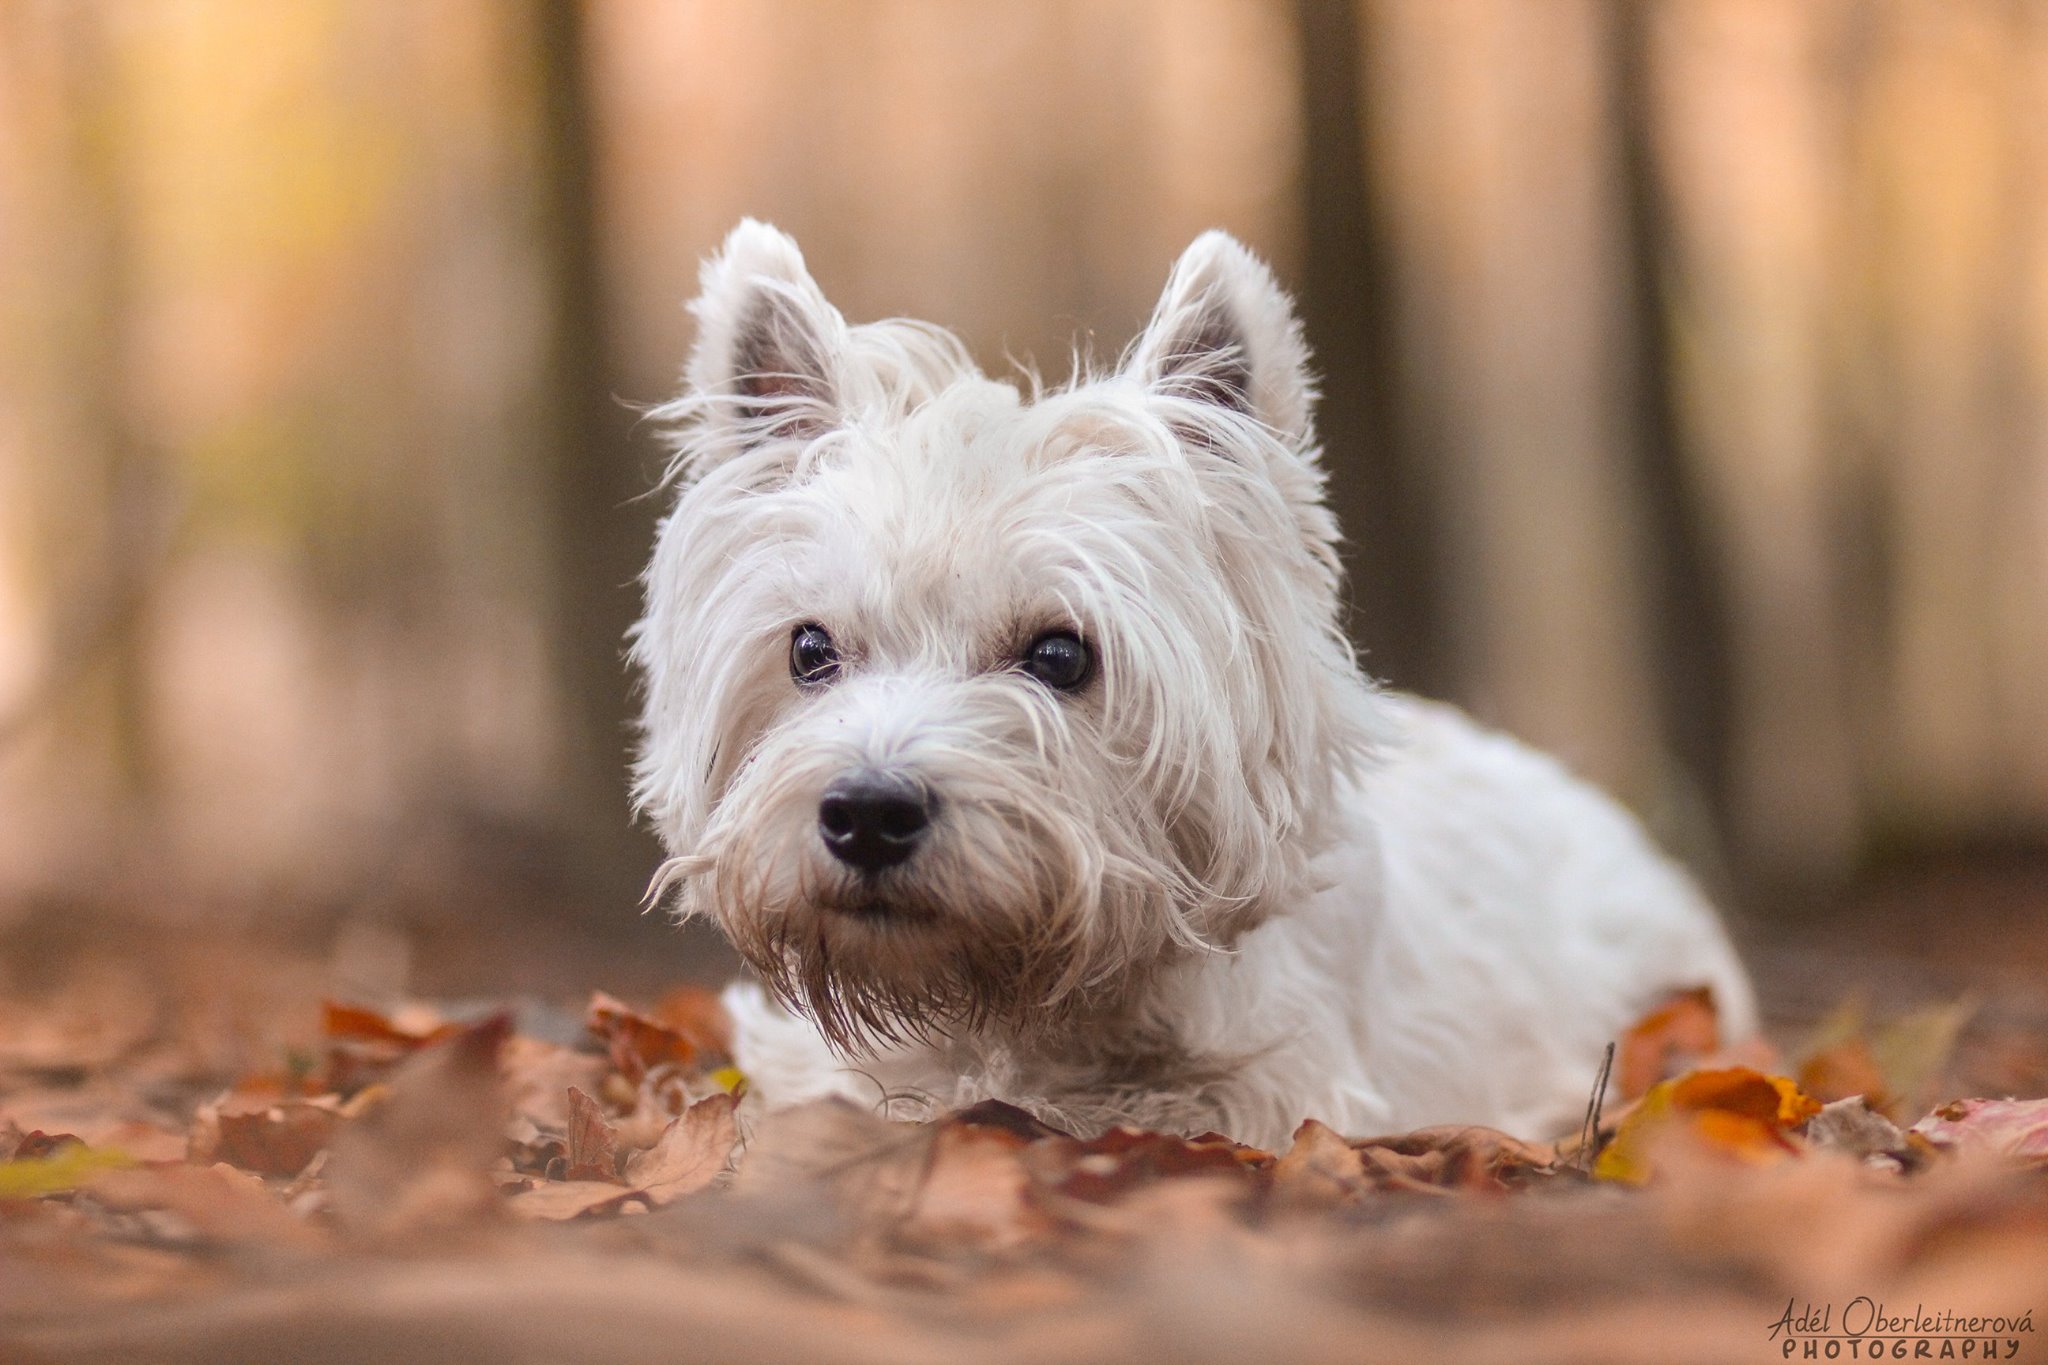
column 871, row 821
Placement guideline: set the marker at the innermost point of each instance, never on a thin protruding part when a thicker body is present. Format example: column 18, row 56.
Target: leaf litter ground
column 204, row 1155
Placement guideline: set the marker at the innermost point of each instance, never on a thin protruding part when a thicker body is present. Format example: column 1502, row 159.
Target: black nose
column 873, row 820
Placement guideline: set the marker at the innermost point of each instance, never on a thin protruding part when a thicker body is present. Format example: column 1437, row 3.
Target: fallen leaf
column 832, row 1151
column 1914, row 1050
column 363, row 1044
column 1102, row 1168
column 1729, row 1113
column 268, row 1138
column 976, row 1192
column 1007, row 1118
column 1844, row 1071
column 1320, row 1169
column 413, row 1027
column 420, row 1159
column 1667, row 1041
column 556, row 1201
column 1855, row 1127
column 635, row 1042
column 1460, row 1157
column 219, row 1204
column 34, row 1143
column 1893, row 1065
column 698, row 1015
column 690, row 1153
column 593, row 1149
column 57, row 1170
column 539, row 1075
column 2015, row 1129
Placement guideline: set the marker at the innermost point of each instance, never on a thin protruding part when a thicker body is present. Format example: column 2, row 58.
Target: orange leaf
column 1665, row 1041
column 1732, row 1113
column 637, row 1043
column 1843, row 1070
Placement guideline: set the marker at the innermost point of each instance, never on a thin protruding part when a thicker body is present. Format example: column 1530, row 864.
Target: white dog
column 1012, row 739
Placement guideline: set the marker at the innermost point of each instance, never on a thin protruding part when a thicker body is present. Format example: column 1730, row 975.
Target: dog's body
column 1015, row 744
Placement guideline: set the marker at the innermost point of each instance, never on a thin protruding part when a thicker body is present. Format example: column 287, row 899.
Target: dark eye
column 1060, row 660
column 813, row 658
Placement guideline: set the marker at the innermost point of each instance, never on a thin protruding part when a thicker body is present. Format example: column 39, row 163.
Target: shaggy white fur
column 1161, row 854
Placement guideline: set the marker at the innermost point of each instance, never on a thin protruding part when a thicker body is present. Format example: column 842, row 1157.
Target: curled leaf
column 1731, row 1113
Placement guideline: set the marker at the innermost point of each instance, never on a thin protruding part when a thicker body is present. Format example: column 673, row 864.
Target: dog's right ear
column 768, row 344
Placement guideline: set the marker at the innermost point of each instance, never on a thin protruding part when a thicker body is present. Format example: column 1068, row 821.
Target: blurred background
column 1686, row 369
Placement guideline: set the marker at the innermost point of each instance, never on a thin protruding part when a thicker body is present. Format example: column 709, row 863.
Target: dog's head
column 964, row 706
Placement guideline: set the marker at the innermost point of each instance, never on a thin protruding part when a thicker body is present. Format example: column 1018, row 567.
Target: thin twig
column 1591, row 1130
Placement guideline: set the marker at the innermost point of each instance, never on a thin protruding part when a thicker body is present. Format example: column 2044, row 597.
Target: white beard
column 1484, row 928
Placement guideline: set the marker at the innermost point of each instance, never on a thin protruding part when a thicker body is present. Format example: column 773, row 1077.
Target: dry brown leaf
column 270, row 1138
column 33, row 1144
column 976, row 1192
column 1855, row 1127
column 539, row 1075
column 218, row 1203
column 556, row 1201
column 363, row 1044
column 420, row 1160
column 865, row 1167
column 637, row 1043
column 1460, row 1157
column 1006, row 1118
column 1320, row 1169
column 412, row 1027
column 1102, row 1168
column 690, row 1153
column 593, row 1148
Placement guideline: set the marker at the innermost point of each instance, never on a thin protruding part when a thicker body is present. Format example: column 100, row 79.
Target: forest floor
column 428, row 1142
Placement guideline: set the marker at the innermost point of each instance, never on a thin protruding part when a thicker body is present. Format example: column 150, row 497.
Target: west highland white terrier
column 1012, row 739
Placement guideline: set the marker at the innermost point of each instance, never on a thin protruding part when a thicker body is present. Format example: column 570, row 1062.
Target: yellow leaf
column 29, row 1177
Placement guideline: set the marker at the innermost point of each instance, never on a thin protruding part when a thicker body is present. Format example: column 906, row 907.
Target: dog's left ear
column 1225, row 333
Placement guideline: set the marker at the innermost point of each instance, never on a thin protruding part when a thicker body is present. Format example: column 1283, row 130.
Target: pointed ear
column 1225, row 333
column 766, row 338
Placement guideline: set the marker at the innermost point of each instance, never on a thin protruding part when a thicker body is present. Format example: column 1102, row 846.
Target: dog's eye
column 1060, row 660
column 813, row 658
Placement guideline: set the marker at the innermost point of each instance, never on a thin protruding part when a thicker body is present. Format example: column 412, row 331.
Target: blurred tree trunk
column 1346, row 295
column 1689, row 620
column 601, row 526
column 1759, row 232
column 107, row 487
column 1503, row 207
